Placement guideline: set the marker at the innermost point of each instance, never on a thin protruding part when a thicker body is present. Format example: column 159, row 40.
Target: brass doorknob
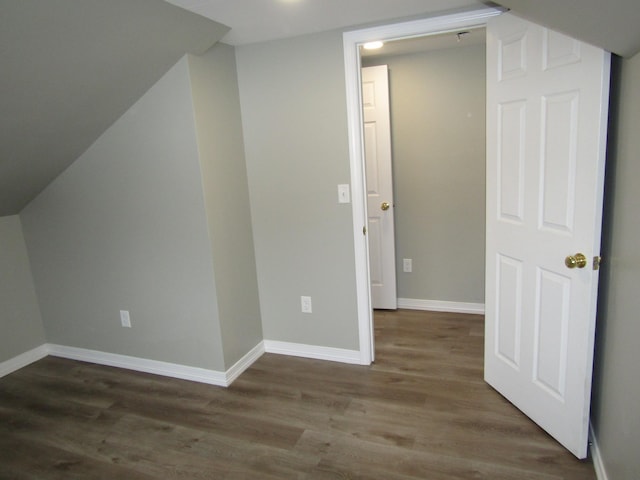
column 577, row 260
column 385, row 206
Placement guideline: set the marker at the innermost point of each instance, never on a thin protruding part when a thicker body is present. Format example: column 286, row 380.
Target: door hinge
column 364, row 230
column 597, row 260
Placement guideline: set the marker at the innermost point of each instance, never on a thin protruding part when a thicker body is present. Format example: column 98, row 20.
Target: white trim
column 441, row 306
column 185, row 372
column 596, row 456
column 22, row 360
column 313, row 351
column 156, row 367
column 358, row 193
column 351, row 42
column 245, row 362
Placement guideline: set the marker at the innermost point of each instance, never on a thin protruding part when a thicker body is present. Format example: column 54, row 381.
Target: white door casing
column 379, row 181
column 547, row 97
column 351, row 43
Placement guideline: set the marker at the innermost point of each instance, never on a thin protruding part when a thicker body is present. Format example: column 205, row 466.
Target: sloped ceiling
column 254, row 21
column 608, row 24
column 70, row 68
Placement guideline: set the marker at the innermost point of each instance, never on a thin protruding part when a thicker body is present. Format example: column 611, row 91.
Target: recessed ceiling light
column 372, row 45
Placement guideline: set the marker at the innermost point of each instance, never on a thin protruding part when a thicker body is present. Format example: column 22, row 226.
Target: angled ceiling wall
column 611, row 25
column 70, row 68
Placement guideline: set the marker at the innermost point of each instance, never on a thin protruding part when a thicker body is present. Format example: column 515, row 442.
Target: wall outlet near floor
column 407, row 265
column 305, row 303
column 125, row 319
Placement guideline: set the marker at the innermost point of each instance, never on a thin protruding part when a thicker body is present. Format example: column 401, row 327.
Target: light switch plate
column 344, row 196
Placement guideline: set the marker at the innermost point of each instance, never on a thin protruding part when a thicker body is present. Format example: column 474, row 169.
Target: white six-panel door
column 547, row 100
column 377, row 152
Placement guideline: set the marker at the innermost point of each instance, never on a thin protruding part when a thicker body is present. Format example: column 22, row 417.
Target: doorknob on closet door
column 577, row 260
column 385, row 206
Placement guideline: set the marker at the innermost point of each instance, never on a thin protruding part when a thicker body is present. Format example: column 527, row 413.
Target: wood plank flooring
column 422, row 411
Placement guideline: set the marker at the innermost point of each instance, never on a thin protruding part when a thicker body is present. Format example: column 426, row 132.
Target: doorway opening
column 352, row 42
column 435, row 172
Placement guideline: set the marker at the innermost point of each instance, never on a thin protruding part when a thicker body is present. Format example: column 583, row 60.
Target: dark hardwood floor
column 422, row 411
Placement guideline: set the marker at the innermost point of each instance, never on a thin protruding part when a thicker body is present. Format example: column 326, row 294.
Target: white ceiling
column 254, row 21
column 608, row 24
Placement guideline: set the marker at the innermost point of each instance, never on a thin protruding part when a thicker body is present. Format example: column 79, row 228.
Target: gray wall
column 438, row 141
column 224, row 177
column 20, row 321
column 616, row 392
column 292, row 94
column 124, row 228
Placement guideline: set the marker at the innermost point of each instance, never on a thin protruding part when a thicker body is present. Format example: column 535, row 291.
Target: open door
column 377, row 154
column 547, row 97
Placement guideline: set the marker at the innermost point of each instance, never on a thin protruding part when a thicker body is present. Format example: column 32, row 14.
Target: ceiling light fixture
column 372, row 45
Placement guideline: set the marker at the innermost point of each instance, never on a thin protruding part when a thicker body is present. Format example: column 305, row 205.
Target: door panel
column 511, row 124
column 547, row 97
column 551, row 328
column 558, row 160
column 509, row 303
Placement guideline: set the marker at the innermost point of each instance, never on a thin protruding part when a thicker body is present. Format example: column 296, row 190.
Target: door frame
column 351, row 42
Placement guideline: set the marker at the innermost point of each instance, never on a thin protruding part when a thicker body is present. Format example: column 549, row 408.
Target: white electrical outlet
column 125, row 319
column 305, row 303
column 407, row 265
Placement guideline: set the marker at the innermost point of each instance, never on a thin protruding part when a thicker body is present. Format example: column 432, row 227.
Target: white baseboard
column 313, row 351
column 598, row 466
column 167, row 369
column 441, row 306
column 184, row 372
column 245, row 362
column 22, row 360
